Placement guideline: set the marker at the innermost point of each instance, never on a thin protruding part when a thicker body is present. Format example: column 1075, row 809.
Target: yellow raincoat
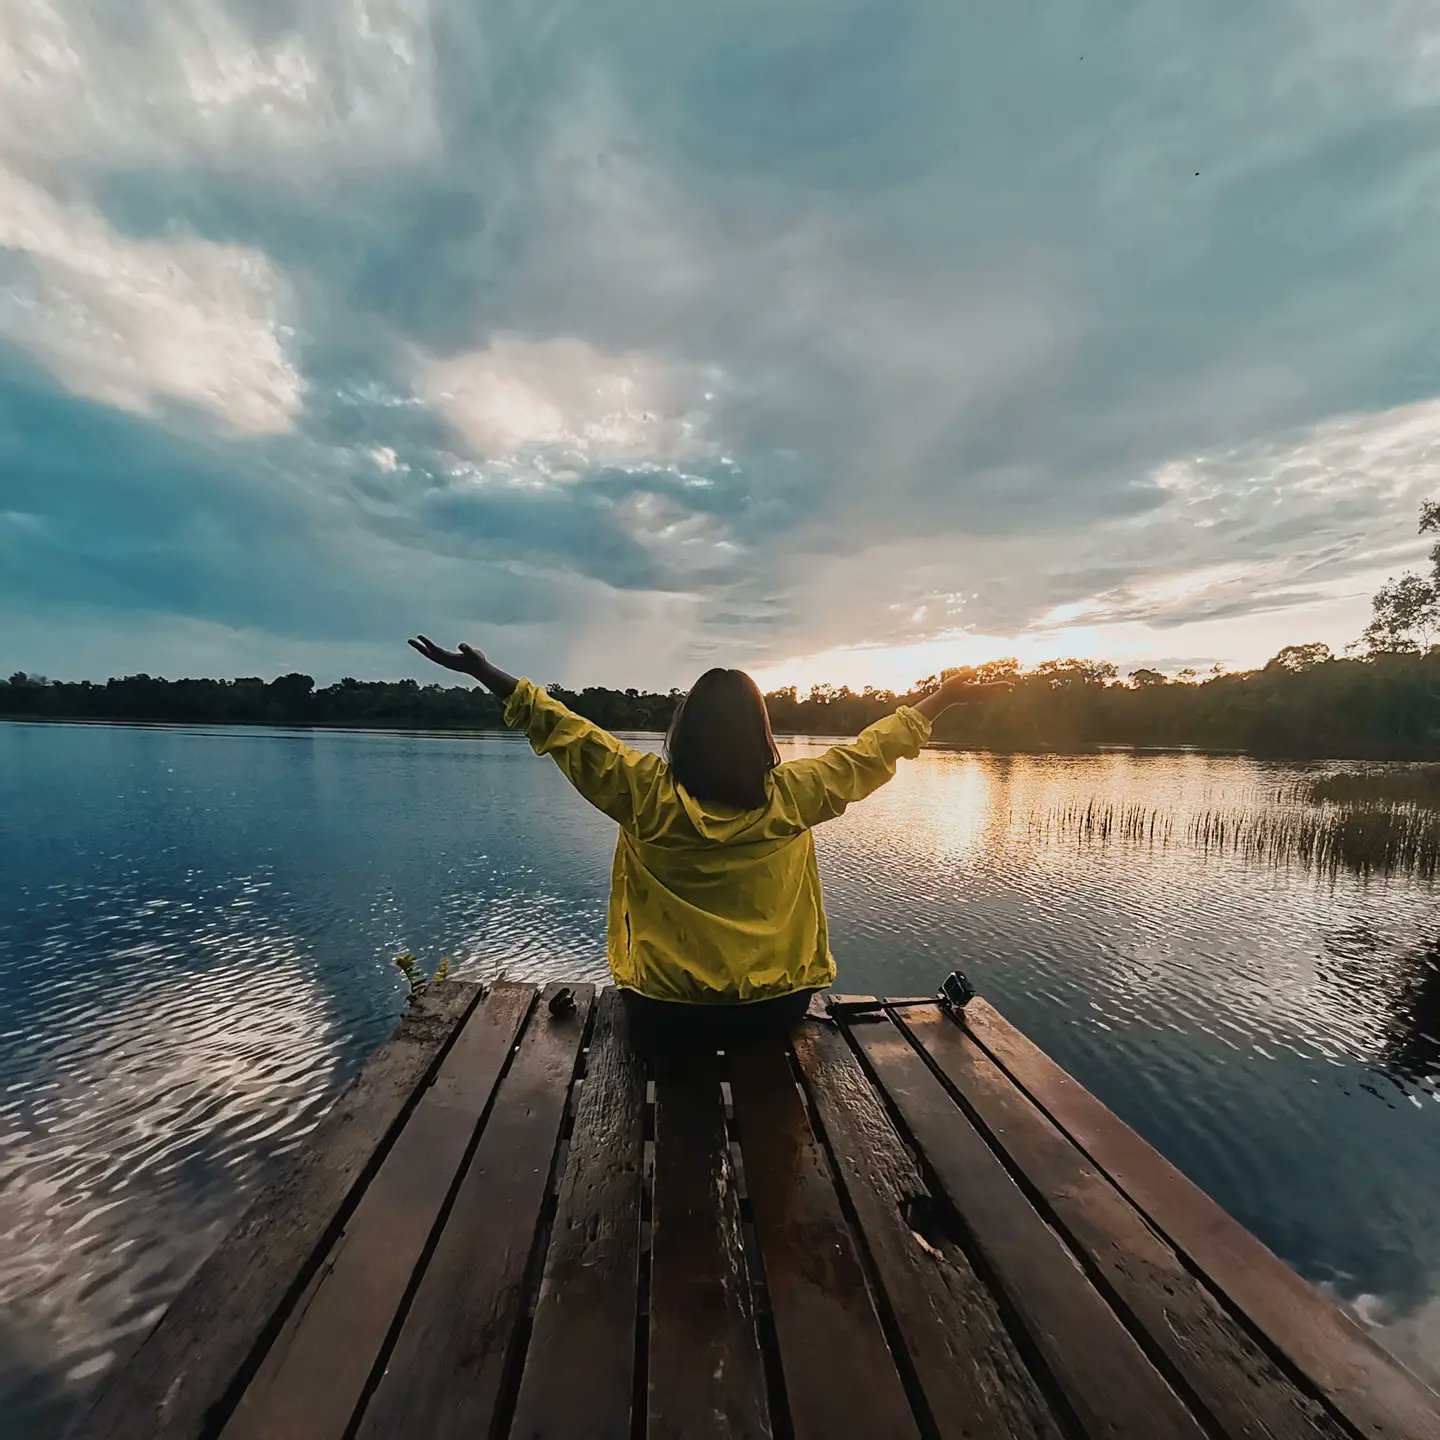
column 709, row 904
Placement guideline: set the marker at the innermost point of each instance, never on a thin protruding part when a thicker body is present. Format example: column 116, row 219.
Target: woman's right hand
column 959, row 691
column 467, row 660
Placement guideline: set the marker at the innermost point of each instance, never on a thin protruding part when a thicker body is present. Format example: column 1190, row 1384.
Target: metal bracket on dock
column 955, row 993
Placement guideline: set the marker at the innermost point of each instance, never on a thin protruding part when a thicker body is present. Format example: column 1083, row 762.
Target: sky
column 835, row 340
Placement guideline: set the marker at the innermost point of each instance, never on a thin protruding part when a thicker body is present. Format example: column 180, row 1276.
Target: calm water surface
column 196, row 932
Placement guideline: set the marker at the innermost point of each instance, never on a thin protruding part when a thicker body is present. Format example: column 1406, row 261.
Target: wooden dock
column 898, row 1225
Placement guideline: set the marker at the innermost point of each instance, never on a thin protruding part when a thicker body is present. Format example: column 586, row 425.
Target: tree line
column 1305, row 700
column 1383, row 698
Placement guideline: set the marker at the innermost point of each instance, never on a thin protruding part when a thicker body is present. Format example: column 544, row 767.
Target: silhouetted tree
column 1297, row 658
column 1407, row 610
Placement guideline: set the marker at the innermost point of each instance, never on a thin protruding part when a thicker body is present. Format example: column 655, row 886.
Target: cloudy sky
column 831, row 339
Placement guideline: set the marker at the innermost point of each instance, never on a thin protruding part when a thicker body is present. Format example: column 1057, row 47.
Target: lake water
column 197, row 929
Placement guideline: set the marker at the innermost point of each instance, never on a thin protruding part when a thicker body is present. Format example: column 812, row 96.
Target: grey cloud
column 947, row 298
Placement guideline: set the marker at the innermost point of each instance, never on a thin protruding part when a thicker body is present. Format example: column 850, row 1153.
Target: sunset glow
column 1236, row 643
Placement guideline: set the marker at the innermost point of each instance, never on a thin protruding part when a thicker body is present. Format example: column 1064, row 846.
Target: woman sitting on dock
column 715, row 907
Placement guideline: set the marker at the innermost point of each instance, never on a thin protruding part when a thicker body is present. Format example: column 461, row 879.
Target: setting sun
column 1237, row 642
column 887, row 667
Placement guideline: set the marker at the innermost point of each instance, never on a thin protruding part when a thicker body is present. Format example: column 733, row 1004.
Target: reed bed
column 1100, row 821
column 1412, row 785
column 1367, row 839
column 1372, row 838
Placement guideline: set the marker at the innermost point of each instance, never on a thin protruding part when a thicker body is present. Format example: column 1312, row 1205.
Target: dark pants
column 653, row 1021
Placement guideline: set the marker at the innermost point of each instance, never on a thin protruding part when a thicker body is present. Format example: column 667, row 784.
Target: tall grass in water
column 1380, row 837
column 1099, row 820
column 1414, row 785
column 1364, row 838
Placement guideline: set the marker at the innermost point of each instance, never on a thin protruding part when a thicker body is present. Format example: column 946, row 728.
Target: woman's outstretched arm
column 819, row 787
column 467, row 660
column 623, row 782
column 958, row 691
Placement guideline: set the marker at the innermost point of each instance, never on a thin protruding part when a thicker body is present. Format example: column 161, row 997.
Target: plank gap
column 737, row 1159
column 640, row 1380
column 781, row 1427
column 707, row 1369
column 509, row 1392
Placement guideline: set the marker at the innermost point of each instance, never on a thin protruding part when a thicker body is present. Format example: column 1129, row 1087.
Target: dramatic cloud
column 626, row 337
column 561, row 410
column 127, row 322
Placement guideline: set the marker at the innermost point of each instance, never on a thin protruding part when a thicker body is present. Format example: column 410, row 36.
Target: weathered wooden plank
column 1371, row 1389
column 314, row 1376
column 446, row 1375
column 840, row 1377
column 1236, row 1382
column 580, row 1365
column 975, row 1383
column 186, row 1374
column 706, row 1376
column 1110, row 1384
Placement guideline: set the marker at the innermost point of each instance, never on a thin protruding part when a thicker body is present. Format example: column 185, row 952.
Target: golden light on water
column 959, row 811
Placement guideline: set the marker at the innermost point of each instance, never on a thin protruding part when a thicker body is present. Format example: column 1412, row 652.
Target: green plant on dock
column 417, row 980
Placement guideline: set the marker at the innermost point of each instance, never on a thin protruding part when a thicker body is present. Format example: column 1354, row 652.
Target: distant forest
column 1382, row 700
column 1305, row 701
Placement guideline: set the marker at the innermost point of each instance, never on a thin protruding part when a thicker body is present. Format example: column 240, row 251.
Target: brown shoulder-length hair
column 719, row 746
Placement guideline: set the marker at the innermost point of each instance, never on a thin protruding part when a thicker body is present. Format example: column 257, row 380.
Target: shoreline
column 1357, row 754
